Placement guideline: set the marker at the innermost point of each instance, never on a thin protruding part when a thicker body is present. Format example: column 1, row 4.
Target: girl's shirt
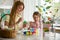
column 35, row 24
column 18, row 25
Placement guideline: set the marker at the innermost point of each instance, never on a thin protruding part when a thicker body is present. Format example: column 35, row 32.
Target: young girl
column 36, row 23
column 16, row 17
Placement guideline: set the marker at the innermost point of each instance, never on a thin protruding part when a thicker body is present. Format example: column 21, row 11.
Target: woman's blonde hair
column 13, row 12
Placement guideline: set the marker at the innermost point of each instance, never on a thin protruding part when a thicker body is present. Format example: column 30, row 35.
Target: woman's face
column 36, row 18
column 20, row 8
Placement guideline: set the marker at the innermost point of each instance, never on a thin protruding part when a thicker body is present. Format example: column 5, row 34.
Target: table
column 20, row 38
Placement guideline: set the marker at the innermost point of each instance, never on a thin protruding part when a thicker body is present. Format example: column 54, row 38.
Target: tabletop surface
column 21, row 37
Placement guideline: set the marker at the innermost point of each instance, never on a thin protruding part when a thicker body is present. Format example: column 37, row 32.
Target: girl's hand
column 6, row 23
column 20, row 19
column 38, row 25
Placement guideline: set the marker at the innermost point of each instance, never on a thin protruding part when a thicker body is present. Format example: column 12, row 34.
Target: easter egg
column 27, row 33
column 30, row 33
column 37, row 32
column 32, row 30
column 24, row 33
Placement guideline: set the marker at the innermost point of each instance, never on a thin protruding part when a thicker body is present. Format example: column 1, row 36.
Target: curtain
column 30, row 7
column 18, row 0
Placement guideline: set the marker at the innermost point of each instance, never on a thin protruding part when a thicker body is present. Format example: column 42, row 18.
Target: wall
column 6, row 2
column 5, row 6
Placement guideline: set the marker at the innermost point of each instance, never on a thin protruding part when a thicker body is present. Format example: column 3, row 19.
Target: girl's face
column 36, row 18
column 19, row 8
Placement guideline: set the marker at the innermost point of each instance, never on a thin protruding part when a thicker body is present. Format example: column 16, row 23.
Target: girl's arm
column 6, row 23
column 31, row 25
column 19, row 20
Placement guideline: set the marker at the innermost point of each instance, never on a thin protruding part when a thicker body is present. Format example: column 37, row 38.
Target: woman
column 16, row 15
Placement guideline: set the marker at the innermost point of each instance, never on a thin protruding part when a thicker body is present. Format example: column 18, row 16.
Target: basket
column 7, row 33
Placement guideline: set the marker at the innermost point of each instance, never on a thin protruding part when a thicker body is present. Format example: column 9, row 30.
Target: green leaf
column 48, row 7
column 56, row 10
column 39, row 8
column 47, row 0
